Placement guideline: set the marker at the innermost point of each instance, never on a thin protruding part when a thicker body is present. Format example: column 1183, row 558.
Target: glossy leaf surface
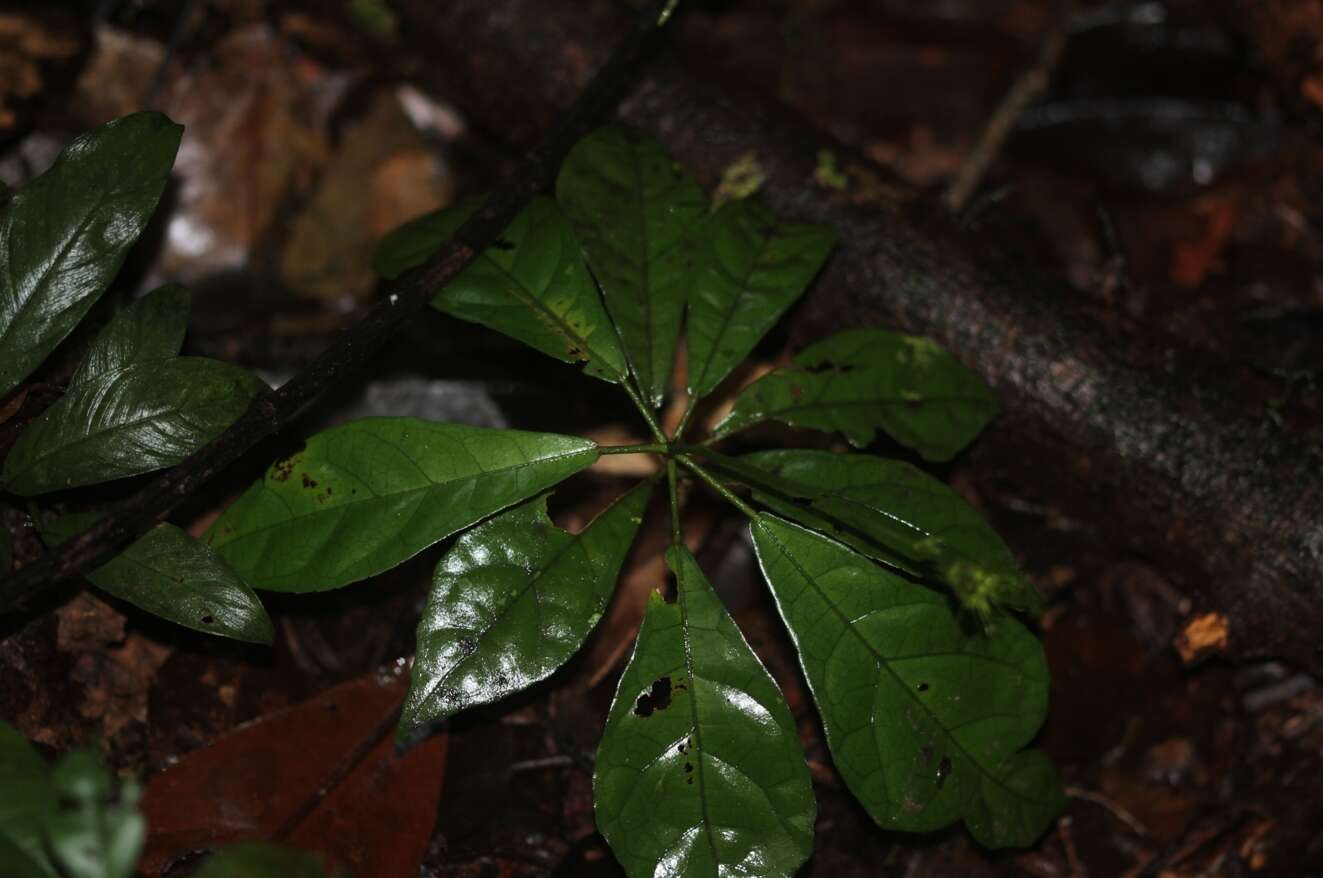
column 754, row 268
column 148, row 330
column 636, row 213
column 367, row 495
column 531, row 285
column 700, row 772
column 864, row 380
column 65, row 235
column 888, row 508
column 96, row 830
column 511, row 602
column 143, row 417
column 924, row 719
column 169, row 574
column 24, row 804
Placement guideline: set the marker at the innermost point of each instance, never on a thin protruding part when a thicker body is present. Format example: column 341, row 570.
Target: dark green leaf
column 64, row 237
column 511, row 602
column 863, row 380
column 143, row 417
column 700, row 772
column 871, row 502
column 636, row 214
column 411, row 244
column 261, row 860
column 25, row 800
column 924, row 720
column 96, row 832
column 754, row 269
column 365, row 496
column 171, row 575
column 531, row 285
column 149, row 330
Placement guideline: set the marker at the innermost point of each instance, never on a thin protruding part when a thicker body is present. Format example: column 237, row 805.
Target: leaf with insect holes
column 65, row 235
column 362, row 497
column 511, row 602
column 925, row 719
column 132, row 407
column 890, row 511
column 754, row 268
column 864, row 380
column 531, row 285
column 170, row 574
column 637, row 215
column 26, row 801
column 700, row 771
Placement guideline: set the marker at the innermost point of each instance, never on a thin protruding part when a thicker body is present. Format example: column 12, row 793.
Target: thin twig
column 1027, row 88
column 352, row 348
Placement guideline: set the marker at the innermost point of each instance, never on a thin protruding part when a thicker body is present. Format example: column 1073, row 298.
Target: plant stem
column 637, row 399
column 730, row 496
column 684, row 419
column 653, row 448
column 673, row 489
column 353, row 348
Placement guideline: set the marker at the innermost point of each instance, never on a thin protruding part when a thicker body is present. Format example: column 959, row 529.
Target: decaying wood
column 1182, row 458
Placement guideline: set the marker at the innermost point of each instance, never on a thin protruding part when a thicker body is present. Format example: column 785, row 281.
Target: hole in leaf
column 208, row 619
column 655, row 699
column 923, row 687
column 943, row 769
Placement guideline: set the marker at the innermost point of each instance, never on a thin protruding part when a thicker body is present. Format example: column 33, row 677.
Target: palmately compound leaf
column 864, row 380
column 925, row 720
column 531, row 285
column 894, row 512
column 754, row 268
column 96, row 830
column 24, row 803
column 133, row 406
column 170, row 574
column 700, row 772
column 65, row 235
column 364, row 496
column 636, row 214
column 511, row 602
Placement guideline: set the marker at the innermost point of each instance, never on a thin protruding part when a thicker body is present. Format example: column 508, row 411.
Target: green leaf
column 754, row 269
column 511, row 602
column 142, row 417
column 25, row 800
column 636, row 214
column 367, row 495
column 864, row 380
column 149, row 330
column 65, row 235
column 97, row 831
column 532, row 285
column 700, row 772
column 171, row 575
column 262, row 860
column 872, row 503
column 924, row 720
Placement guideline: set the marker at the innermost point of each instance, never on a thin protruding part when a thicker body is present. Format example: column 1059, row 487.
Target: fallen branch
column 356, row 345
column 1218, row 493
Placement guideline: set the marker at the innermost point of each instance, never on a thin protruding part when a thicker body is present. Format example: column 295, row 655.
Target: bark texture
column 1178, row 453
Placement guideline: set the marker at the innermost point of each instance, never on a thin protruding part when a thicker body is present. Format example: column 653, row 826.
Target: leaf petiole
column 730, row 496
column 648, row 416
column 650, row 448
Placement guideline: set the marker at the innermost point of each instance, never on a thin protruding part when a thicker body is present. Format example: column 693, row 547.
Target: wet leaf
column 512, row 601
column 148, row 330
column 322, row 776
column 367, row 495
column 894, row 512
column 531, row 285
column 65, row 235
column 171, row 575
column 24, row 804
column 924, row 720
column 864, row 380
column 755, row 267
column 257, row 860
column 636, row 214
column 143, row 417
column 96, row 830
column 700, row 772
